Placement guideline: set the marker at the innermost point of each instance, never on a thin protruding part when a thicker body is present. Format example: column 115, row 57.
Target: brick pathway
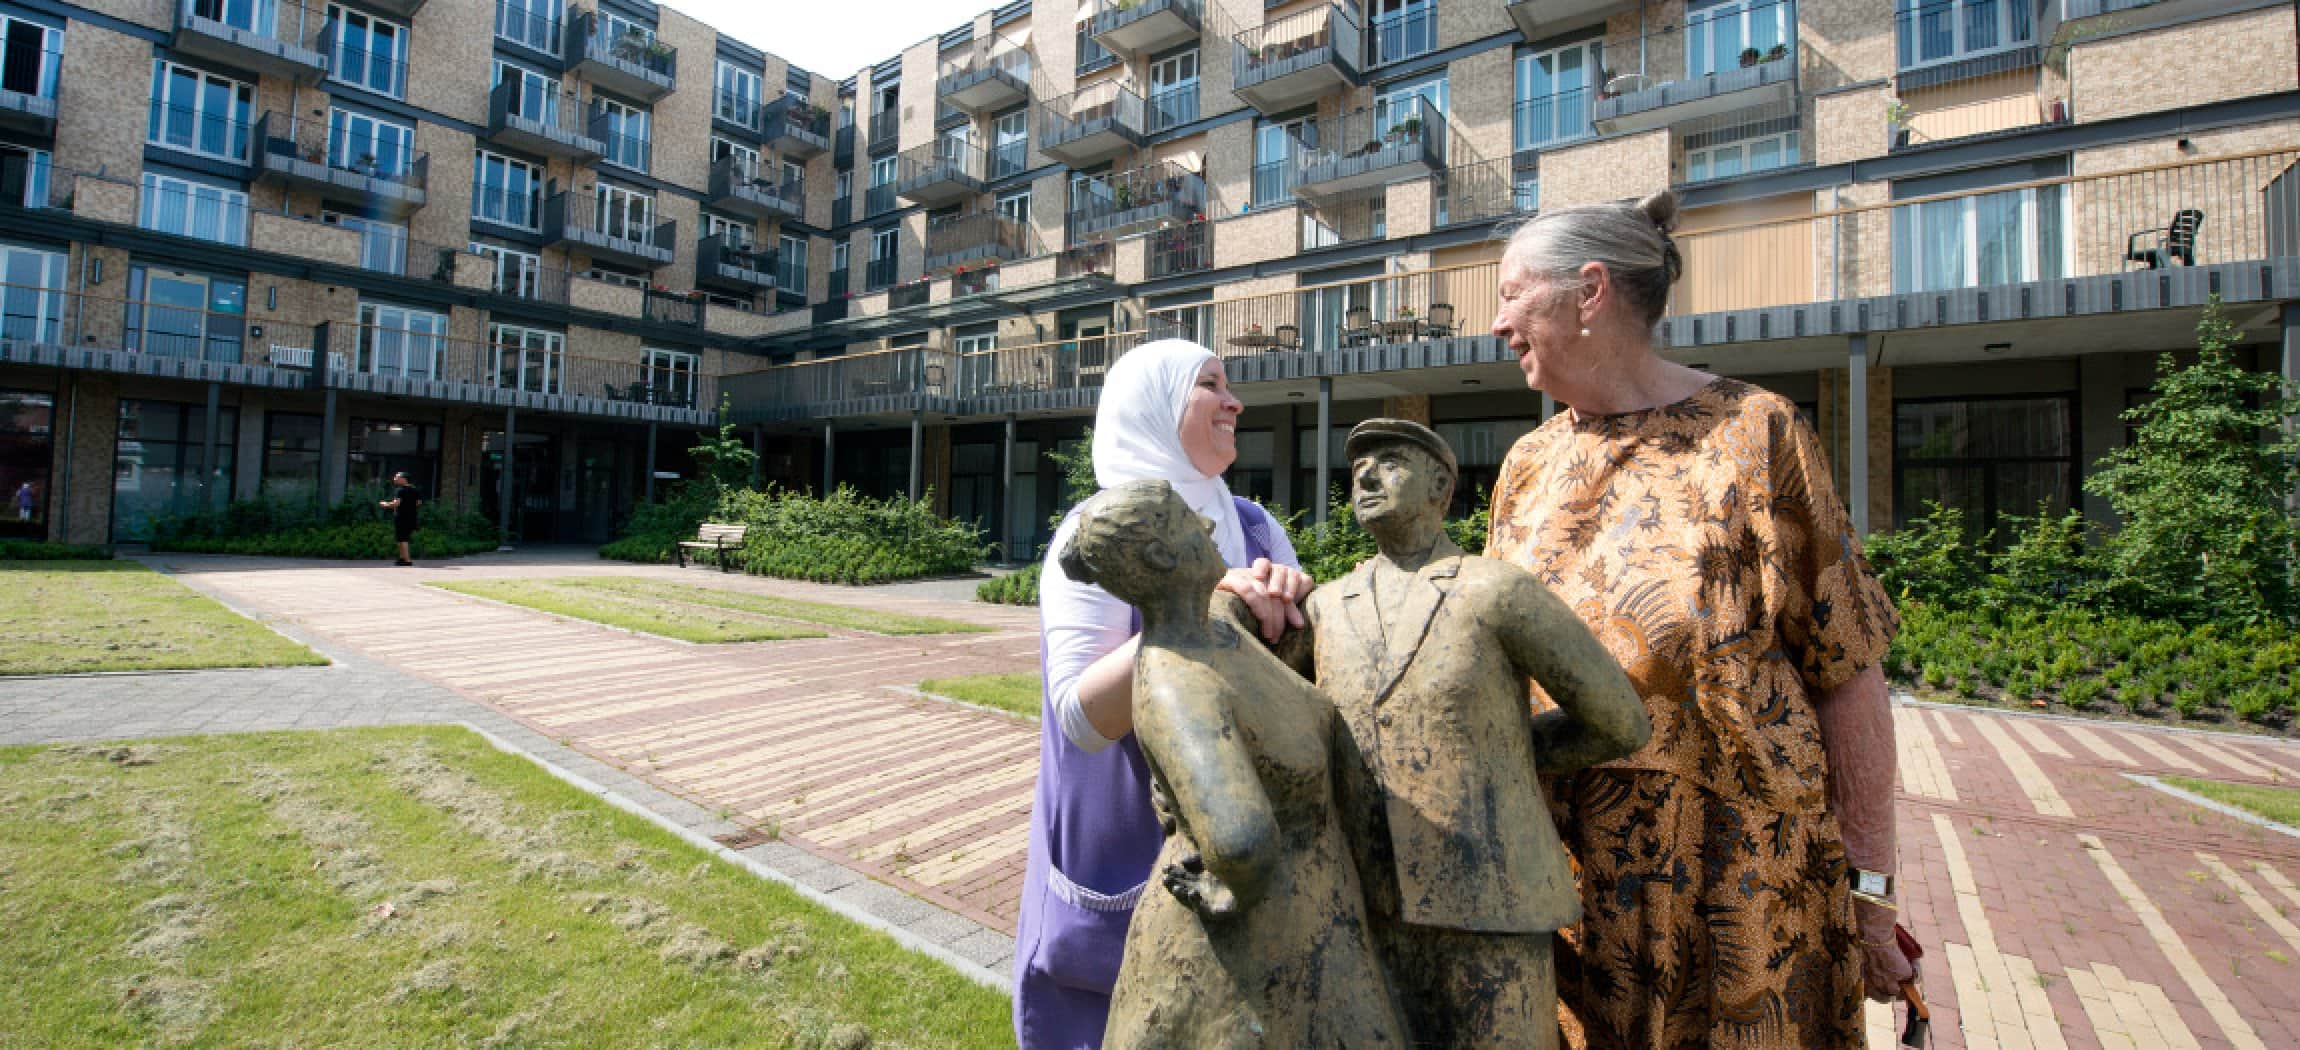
column 2065, row 904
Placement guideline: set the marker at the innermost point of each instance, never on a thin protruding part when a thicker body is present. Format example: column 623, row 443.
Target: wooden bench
column 715, row 537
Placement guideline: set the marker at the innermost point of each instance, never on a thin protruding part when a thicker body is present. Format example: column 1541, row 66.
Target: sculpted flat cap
column 1376, row 432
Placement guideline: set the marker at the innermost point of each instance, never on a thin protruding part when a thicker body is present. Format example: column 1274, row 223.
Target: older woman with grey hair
column 1735, row 872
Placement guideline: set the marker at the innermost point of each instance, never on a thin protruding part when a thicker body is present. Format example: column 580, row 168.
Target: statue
column 1258, row 938
column 1426, row 653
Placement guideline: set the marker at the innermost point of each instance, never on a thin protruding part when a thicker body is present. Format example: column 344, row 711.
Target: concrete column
column 2291, row 326
column 917, row 449
column 330, row 450
column 830, row 457
column 650, row 465
column 1006, row 493
column 1325, row 443
column 503, row 484
column 210, row 475
column 1857, row 431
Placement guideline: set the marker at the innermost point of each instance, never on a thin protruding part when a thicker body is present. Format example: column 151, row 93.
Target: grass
column 65, row 617
column 412, row 887
column 2281, row 805
column 695, row 614
column 1018, row 693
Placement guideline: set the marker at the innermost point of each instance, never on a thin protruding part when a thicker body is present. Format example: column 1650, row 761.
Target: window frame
column 395, row 61
column 621, row 118
column 239, row 125
column 155, row 185
column 744, row 110
column 534, row 194
column 423, row 331
column 2012, row 34
column 1787, row 139
column 1706, row 15
column 551, row 362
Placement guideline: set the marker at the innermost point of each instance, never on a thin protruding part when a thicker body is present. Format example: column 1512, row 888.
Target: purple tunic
column 1093, row 838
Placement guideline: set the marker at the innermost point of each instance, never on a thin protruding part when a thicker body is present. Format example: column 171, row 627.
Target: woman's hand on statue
column 1274, row 592
column 1190, row 883
column 1883, row 966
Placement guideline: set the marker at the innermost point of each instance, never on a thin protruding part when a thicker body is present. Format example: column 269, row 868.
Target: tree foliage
column 726, row 463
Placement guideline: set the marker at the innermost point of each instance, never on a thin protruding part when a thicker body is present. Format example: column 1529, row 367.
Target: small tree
column 725, row 461
column 1077, row 474
column 2202, row 489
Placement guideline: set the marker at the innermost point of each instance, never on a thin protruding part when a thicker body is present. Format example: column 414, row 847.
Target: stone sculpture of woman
column 1259, row 936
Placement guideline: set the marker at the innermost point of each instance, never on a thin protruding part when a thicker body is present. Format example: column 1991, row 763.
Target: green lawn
column 1018, row 693
column 75, row 616
column 693, row 613
column 2281, row 805
column 412, row 887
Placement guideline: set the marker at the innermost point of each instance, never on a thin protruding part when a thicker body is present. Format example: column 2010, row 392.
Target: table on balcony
column 1255, row 341
column 1403, row 330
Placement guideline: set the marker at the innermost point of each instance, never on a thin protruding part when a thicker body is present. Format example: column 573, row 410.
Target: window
column 747, row 158
column 791, row 264
column 382, row 245
column 1480, row 447
column 193, row 209
column 1718, row 31
column 27, row 451
column 361, row 143
column 516, row 272
column 737, row 97
column 533, row 24
column 291, row 466
column 1741, row 157
column 369, row 52
column 674, row 374
column 1985, row 456
column 30, row 55
column 1324, row 311
column 882, row 172
column 882, row 260
column 624, row 212
column 1015, row 205
column 1403, row 29
column 1422, row 99
column 200, row 112
column 1009, row 144
column 537, row 96
column 733, row 232
column 159, row 463
column 25, row 174
column 626, row 134
column 1174, row 90
column 1275, row 148
column 1553, row 94
column 32, row 301
column 839, row 256
column 173, row 313
column 379, row 448
column 1945, row 30
column 529, row 359
column 507, row 192
column 793, row 173
column 1525, row 192
column 400, row 342
column 845, row 185
column 1993, row 238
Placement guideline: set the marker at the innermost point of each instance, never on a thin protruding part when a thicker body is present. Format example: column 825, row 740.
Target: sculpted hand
column 1273, row 592
column 1883, row 966
column 1199, row 891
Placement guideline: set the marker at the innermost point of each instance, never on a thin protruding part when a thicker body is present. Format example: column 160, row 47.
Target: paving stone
column 884, row 901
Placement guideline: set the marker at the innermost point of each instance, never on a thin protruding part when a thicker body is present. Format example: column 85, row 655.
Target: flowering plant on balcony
column 1253, row 329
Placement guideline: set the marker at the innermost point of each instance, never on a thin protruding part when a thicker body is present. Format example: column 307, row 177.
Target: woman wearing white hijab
column 1166, row 414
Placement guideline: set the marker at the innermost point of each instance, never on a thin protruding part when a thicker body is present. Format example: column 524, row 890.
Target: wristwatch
column 1875, row 887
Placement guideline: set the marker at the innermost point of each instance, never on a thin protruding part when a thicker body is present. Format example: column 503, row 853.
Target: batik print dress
column 1704, row 544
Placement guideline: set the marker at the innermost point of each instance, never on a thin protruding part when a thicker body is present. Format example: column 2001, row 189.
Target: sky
column 832, row 38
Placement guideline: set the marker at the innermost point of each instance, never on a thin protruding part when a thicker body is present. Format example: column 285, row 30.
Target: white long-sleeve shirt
column 1082, row 623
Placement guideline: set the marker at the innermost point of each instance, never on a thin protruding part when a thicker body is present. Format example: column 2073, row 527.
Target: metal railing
column 742, row 111
column 959, row 240
column 878, row 274
column 1272, row 182
column 737, row 175
column 635, row 49
column 289, row 22
column 206, row 213
column 1934, row 32
column 1109, row 105
column 527, row 28
column 1130, row 201
column 942, row 160
column 624, row 149
column 1718, row 50
column 1329, row 34
column 1092, row 56
column 330, row 145
column 1395, row 308
column 1552, row 120
column 982, row 59
column 675, row 308
column 1407, row 134
column 39, row 316
column 379, row 71
column 397, row 353
column 1187, row 248
column 576, row 217
column 885, row 129
column 1173, row 106
column 1008, row 159
column 1090, row 259
column 903, row 372
column 1407, row 33
column 194, row 131
column 1478, row 192
column 1111, row 15
column 878, row 200
column 789, row 116
column 1045, row 367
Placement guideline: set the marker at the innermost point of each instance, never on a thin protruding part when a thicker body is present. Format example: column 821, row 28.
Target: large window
column 1987, row 457
column 382, row 245
column 507, row 191
column 791, row 264
column 1174, row 90
column 193, row 209
column 361, row 143
column 32, row 301
column 621, row 211
column 369, row 52
column 1009, row 144
column 401, row 342
column 159, row 463
column 537, row 96
column 380, row 448
column 30, row 56
column 627, row 134
column 1480, row 447
column 27, row 448
column 737, row 99
column 200, row 112
column 746, row 157
column 1015, row 205
column 1403, row 29
column 533, row 24
column 291, row 466
column 1554, row 94
column 1276, row 147
column 530, row 359
column 1741, row 156
column 516, row 272
column 1718, row 32
column 674, row 375
column 178, row 313
column 2010, row 237
column 1933, row 31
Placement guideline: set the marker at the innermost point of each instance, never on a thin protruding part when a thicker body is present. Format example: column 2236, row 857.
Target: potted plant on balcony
column 1751, row 56
column 1897, row 124
column 1779, row 52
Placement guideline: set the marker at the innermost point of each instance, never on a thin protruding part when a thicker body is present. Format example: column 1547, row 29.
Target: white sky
column 832, row 38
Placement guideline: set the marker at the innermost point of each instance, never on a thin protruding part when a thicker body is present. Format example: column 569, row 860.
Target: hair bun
column 1660, row 210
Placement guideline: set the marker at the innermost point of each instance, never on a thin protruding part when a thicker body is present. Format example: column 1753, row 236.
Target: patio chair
column 2176, row 241
column 1440, row 323
column 1357, row 326
column 934, row 377
column 614, row 393
column 1289, row 338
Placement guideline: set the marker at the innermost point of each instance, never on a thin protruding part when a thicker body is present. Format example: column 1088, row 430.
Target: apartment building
column 1957, row 232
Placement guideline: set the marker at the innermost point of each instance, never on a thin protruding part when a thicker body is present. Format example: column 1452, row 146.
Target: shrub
column 655, row 528
column 1932, row 558
column 1019, row 587
column 847, row 538
column 39, row 550
column 354, row 529
column 2046, row 566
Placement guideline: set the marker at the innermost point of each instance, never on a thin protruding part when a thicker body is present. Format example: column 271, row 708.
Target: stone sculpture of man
column 1427, row 652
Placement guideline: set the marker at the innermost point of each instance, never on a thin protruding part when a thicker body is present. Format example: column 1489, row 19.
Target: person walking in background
column 26, row 499
column 404, row 505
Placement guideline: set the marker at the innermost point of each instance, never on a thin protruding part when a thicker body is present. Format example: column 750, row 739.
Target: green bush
column 355, row 529
column 655, row 528
column 39, row 550
column 847, row 538
column 1934, row 557
column 1019, row 587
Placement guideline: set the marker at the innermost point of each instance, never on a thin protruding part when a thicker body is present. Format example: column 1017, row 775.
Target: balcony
column 1092, row 125
column 1542, row 19
column 842, row 210
column 552, row 124
column 633, row 63
column 736, row 186
column 1552, row 120
column 587, row 225
column 885, row 130
column 1143, row 27
column 1398, row 35
column 28, row 101
column 1173, row 106
column 280, row 38
column 985, row 75
column 939, row 172
column 843, row 144
column 1188, row 248
column 1299, row 59
column 1767, row 76
column 531, row 30
column 730, row 265
column 984, row 237
column 1163, row 194
column 304, row 155
column 796, row 128
column 838, row 283
column 737, row 116
column 1370, row 148
column 877, row 274
column 878, row 200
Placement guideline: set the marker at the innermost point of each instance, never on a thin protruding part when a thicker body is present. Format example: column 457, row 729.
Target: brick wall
column 1484, row 91
column 682, row 119
column 1843, row 42
column 1267, row 233
column 1850, row 125
column 2234, row 57
column 451, row 66
column 1605, row 170
column 87, row 427
column 107, row 77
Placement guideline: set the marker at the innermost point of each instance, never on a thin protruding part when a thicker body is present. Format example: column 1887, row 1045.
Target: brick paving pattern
column 2063, row 903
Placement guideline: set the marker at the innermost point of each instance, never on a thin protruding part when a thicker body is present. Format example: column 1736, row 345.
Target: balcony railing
column 1114, row 205
column 984, row 75
column 625, row 149
column 737, row 115
column 878, row 200
column 684, row 309
column 939, row 172
column 970, row 240
column 1272, row 182
column 842, row 210
column 1552, row 120
column 553, row 123
column 1298, row 58
column 210, row 135
column 1097, row 258
column 633, row 63
column 885, row 130
column 729, row 263
column 283, row 38
column 1092, row 124
column 1470, row 193
column 796, row 128
column 1187, row 248
column 1410, row 32
column 1734, row 61
column 838, row 283
column 851, row 381
column 738, row 186
column 1371, row 147
column 1144, row 27
column 1038, row 369
column 1416, row 306
column 28, row 103
column 421, row 364
column 1007, row 159
column 307, row 154
column 877, row 274
column 586, row 223
column 1174, row 106
column 202, row 212
column 528, row 28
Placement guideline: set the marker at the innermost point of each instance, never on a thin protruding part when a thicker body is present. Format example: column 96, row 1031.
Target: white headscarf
column 1138, row 434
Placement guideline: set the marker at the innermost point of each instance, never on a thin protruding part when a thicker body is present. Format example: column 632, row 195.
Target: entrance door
column 599, row 488
column 175, row 317
column 534, row 485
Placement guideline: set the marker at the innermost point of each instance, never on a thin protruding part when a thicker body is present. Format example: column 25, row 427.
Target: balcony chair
column 935, row 377
column 1440, row 323
column 2176, row 241
column 614, row 393
column 1357, row 327
column 1289, row 338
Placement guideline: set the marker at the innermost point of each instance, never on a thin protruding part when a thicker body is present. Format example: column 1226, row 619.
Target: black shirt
column 409, row 502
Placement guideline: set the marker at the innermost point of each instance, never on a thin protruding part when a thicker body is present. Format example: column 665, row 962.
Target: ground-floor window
column 291, row 457
column 1254, row 473
column 975, row 478
column 159, row 464
column 1480, row 447
column 1306, row 480
column 27, row 449
column 1988, row 457
column 380, row 448
column 673, row 375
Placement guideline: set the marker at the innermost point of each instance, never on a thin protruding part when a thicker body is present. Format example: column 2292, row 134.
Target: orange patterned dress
column 1703, row 543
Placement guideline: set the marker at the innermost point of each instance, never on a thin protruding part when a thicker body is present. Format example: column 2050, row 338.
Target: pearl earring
column 1585, row 333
